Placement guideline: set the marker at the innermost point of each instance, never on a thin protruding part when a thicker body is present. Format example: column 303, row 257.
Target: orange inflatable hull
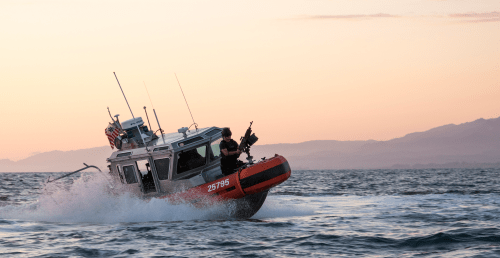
column 254, row 179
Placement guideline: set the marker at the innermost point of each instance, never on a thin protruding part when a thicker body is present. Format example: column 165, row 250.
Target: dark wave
column 448, row 238
column 471, row 237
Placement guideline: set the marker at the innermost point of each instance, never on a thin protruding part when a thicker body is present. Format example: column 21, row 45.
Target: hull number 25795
column 218, row 185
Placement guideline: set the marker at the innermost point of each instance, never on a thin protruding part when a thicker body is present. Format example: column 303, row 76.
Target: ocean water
column 327, row 213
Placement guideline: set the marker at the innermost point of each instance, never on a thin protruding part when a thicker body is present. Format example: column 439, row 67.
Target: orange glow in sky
column 301, row 70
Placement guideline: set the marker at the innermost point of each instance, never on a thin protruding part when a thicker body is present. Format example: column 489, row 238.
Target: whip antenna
column 147, row 117
column 194, row 123
column 124, row 95
column 143, row 141
column 154, row 111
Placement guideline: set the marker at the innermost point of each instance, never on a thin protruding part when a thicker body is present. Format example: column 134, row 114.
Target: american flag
column 112, row 131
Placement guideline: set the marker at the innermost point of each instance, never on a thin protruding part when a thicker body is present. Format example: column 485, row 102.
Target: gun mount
column 247, row 141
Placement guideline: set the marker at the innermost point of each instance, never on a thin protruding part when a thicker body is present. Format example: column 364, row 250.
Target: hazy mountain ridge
column 469, row 144
column 57, row 161
column 472, row 142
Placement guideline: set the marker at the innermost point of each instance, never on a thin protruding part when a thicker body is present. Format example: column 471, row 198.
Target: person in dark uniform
column 148, row 181
column 229, row 153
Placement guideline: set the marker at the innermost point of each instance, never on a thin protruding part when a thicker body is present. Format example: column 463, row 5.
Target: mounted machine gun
column 247, row 141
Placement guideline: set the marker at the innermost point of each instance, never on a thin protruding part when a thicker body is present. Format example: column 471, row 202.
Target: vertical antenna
column 124, row 95
column 147, row 118
column 131, row 111
column 194, row 123
column 161, row 130
column 157, row 121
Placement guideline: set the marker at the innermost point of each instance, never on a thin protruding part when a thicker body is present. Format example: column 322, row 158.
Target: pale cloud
column 461, row 17
column 348, row 17
column 477, row 17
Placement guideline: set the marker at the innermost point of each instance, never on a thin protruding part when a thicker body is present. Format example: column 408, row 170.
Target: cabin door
column 146, row 176
column 162, row 168
column 130, row 176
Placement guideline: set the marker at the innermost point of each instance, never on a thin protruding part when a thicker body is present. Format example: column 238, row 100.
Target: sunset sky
column 301, row 70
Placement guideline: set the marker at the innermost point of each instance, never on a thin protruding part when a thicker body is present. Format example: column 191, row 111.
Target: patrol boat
column 185, row 167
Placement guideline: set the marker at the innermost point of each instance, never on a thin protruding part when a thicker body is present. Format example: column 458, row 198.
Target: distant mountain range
column 472, row 144
column 58, row 161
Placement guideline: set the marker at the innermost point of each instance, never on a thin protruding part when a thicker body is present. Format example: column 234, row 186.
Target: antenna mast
column 147, row 118
column 154, row 111
column 143, row 141
column 194, row 123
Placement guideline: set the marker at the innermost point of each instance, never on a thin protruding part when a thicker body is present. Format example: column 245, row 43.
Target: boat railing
column 79, row 170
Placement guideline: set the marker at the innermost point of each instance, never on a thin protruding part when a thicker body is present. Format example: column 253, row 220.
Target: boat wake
column 89, row 199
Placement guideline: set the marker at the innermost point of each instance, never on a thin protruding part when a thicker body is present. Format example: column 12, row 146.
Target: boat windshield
column 214, row 146
column 191, row 159
column 129, row 172
column 162, row 167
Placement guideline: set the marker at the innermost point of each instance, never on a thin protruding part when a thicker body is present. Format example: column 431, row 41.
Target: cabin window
column 146, row 175
column 161, row 148
column 214, row 146
column 162, row 167
column 191, row 159
column 129, row 173
column 119, row 173
column 143, row 167
column 195, row 139
column 124, row 154
column 213, row 132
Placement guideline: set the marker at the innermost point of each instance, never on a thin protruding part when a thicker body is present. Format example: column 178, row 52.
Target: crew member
column 147, row 180
column 229, row 152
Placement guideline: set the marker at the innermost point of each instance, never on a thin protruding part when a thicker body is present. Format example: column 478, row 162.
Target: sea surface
column 320, row 213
